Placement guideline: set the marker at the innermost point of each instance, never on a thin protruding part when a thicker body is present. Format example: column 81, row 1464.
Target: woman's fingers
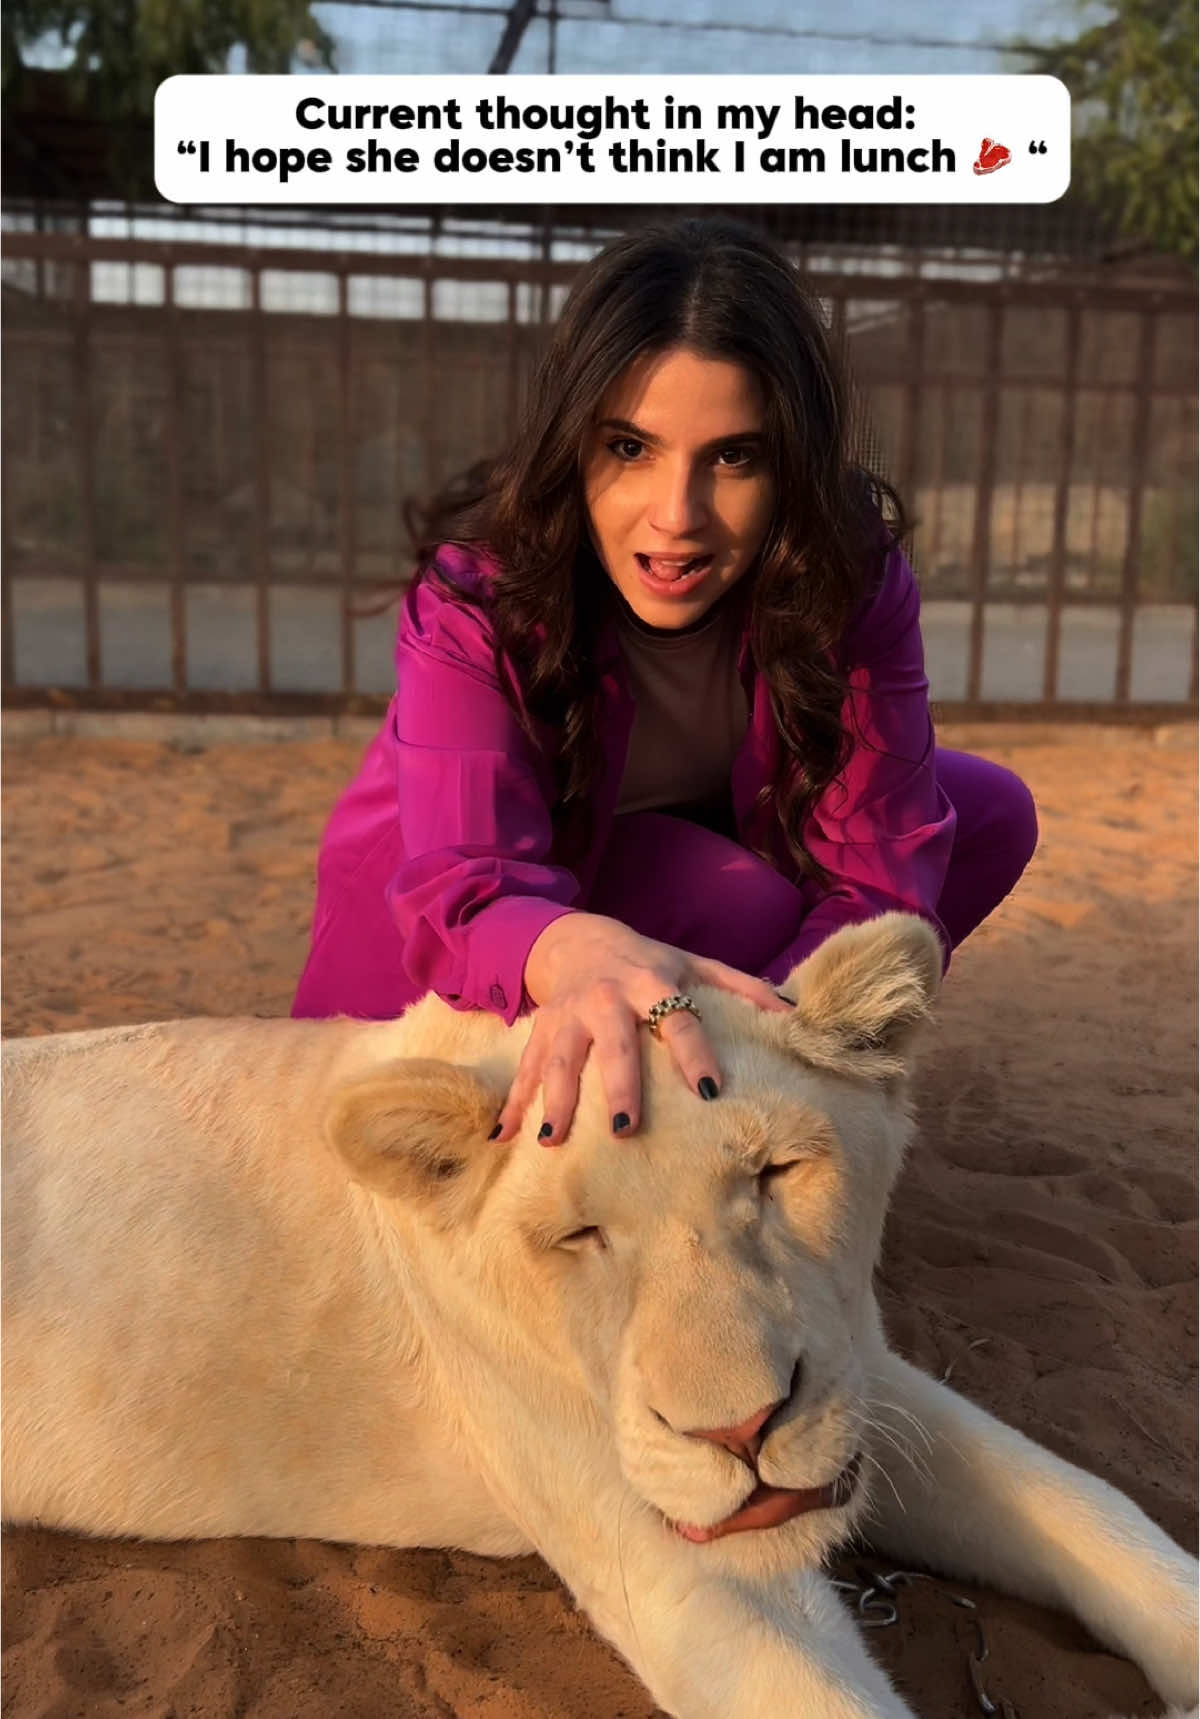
column 608, row 1015
column 741, row 984
column 560, row 1079
column 526, row 1081
column 616, row 1048
column 552, row 1062
column 688, row 1043
column 685, row 1034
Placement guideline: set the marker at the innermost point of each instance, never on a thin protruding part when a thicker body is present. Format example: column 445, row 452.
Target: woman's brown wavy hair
column 725, row 292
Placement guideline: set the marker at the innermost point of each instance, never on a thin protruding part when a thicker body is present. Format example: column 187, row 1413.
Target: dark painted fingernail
column 707, row 1086
column 495, row 1134
column 545, row 1131
column 620, row 1120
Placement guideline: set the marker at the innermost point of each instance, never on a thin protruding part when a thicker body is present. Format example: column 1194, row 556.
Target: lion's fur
column 271, row 1277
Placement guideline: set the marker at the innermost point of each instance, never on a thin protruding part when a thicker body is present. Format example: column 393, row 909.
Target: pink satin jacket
column 440, row 866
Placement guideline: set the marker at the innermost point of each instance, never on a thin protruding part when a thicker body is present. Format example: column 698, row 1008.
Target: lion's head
column 703, row 1288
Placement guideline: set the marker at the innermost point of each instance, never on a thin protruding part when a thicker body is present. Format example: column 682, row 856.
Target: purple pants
column 684, row 885
column 737, row 909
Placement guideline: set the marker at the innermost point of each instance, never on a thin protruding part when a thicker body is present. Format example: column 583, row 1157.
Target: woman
column 661, row 717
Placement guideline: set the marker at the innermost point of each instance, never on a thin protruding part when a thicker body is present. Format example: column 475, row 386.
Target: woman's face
column 676, row 483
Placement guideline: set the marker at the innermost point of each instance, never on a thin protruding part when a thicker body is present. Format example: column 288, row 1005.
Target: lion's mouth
column 768, row 1506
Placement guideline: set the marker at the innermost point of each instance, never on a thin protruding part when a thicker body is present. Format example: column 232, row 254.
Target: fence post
column 1056, row 582
column 86, row 455
column 981, row 547
column 1139, row 449
column 910, row 442
column 347, row 499
column 259, row 414
column 176, row 524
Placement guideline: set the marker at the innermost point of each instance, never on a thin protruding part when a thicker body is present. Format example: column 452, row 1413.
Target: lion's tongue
column 768, row 1506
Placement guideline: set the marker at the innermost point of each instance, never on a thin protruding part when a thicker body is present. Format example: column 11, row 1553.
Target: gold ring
column 667, row 1006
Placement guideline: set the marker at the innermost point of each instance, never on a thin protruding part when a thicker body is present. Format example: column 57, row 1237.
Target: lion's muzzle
column 769, row 1506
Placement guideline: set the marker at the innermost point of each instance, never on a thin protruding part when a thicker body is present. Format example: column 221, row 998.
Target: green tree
column 85, row 129
column 1133, row 83
column 121, row 50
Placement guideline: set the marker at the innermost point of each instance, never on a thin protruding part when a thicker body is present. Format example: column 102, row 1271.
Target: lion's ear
column 862, row 996
column 416, row 1129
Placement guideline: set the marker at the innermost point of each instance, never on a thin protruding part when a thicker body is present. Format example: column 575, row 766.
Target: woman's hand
column 595, row 981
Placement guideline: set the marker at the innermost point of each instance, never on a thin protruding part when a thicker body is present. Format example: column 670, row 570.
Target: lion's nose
column 745, row 1440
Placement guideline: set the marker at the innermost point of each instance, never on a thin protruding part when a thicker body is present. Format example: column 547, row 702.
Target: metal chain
column 874, row 1598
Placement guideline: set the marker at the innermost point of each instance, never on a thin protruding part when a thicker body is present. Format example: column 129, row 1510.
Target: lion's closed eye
column 590, row 1234
column 807, row 1193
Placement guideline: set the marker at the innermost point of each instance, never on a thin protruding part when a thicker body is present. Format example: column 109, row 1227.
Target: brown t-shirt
column 690, row 721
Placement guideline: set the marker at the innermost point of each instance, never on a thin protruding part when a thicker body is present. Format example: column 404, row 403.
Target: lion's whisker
column 621, row 1567
column 900, row 1437
column 943, row 1438
column 874, row 1462
column 914, row 1421
column 896, row 1441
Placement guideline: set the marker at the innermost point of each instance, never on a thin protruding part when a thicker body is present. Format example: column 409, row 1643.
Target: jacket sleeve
column 476, row 886
column 884, row 829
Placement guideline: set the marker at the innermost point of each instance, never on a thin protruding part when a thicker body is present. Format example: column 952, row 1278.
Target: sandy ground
column 1041, row 1247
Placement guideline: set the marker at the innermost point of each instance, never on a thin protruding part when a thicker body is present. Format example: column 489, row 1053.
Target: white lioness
column 270, row 1277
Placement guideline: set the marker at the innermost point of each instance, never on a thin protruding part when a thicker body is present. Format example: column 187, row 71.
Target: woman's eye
column 732, row 458
column 626, row 447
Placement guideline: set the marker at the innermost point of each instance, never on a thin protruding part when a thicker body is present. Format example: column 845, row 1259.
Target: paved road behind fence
column 306, row 657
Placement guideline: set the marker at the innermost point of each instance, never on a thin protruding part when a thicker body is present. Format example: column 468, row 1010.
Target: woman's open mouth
column 768, row 1506
column 672, row 575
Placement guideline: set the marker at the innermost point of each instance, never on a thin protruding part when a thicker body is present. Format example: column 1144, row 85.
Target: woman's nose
column 678, row 503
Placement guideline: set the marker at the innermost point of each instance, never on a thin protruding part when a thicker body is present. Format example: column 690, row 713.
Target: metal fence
column 208, row 448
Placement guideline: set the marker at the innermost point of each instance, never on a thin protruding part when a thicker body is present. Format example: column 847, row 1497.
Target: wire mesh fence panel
column 213, row 453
